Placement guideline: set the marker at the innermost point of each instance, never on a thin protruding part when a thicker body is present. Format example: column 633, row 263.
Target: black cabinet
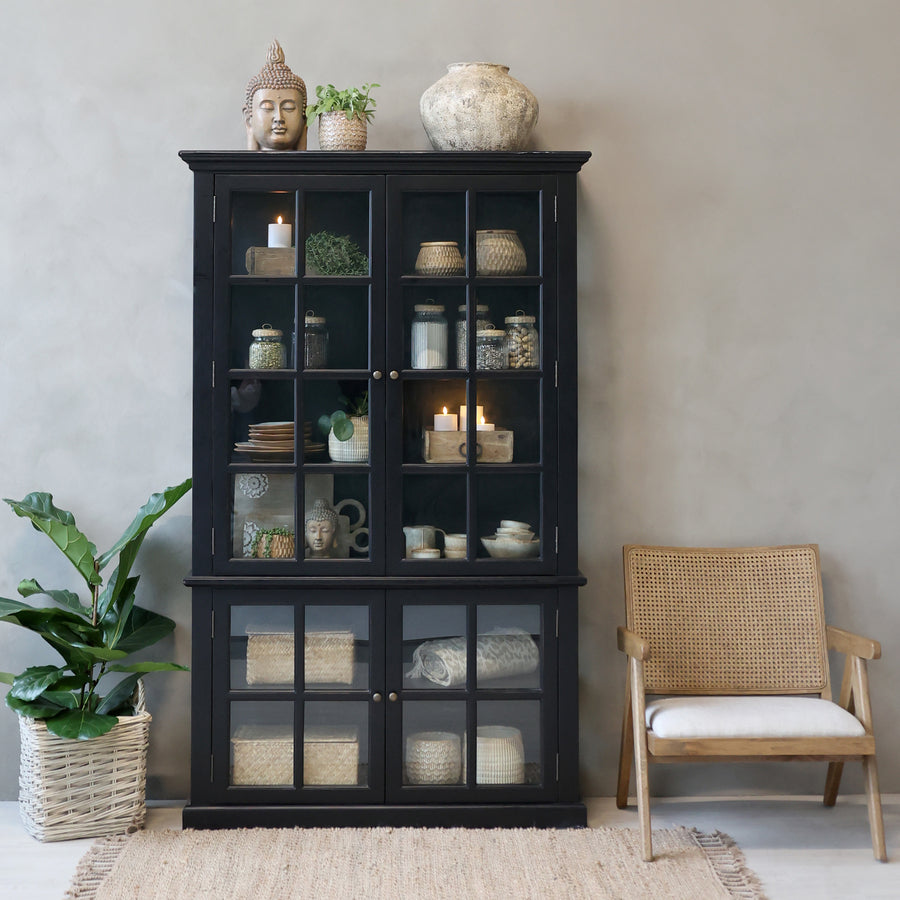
column 380, row 574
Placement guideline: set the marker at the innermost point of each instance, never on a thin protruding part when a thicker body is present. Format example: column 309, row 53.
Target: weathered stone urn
column 478, row 106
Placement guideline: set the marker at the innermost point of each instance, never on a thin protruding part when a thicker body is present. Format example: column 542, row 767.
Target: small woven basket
column 337, row 132
column 499, row 755
column 433, row 757
column 77, row 789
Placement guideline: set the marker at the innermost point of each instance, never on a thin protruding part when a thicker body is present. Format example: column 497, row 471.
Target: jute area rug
column 401, row 863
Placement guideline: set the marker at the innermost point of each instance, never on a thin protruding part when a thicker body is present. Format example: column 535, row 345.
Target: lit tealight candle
column 479, row 416
column 484, row 426
column 445, row 421
column 279, row 235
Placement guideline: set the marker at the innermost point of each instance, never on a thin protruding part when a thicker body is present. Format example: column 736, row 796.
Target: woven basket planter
column 76, row 789
column 337, row 132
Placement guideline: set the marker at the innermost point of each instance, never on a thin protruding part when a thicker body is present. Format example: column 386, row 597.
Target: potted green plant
column 334, row 255
column 348, row 431
column 343, row 116
column 83, row 758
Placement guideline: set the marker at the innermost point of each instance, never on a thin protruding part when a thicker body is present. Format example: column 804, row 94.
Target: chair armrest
column 633, row 645
column 852, row 644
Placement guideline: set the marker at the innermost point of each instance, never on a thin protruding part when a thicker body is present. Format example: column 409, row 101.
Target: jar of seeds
column 522, row 341
column 267, row 350
column 428, row 337
column 462, row 331
column 315, row 341
column 490, row 349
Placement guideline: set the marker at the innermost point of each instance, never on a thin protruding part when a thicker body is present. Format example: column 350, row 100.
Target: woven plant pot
column 77, row 789
column 356, row 448
column 337, row 132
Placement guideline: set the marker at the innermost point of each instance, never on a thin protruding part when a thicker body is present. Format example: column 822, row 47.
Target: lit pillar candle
column 484, row 426
column 479, row 414
column 445, row 421
column 279, row 235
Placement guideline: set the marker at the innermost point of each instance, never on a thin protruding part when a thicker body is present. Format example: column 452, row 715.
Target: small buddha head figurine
column 321, row 530
column 275, row 106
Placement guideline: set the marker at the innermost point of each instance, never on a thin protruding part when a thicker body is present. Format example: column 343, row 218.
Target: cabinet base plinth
column 532, row 815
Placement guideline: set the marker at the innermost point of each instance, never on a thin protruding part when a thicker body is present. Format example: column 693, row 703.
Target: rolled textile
column 498, row 654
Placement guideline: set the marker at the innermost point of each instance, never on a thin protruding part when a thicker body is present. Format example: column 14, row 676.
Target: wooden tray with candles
column 450, row 446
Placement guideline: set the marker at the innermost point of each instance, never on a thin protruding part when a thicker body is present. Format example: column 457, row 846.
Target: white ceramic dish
column 512, row 523
column 509, row 548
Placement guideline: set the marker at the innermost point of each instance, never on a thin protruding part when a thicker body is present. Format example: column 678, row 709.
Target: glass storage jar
column 267, row 350
column 490, row 349
column 315, row 341
column 522, row 342
column 462, row 331
column 428, row 338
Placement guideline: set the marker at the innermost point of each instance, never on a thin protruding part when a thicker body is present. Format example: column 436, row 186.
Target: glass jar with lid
column 428, row 337
column 315, row 341
column 267, row 349
column 522, row 341
column 462, row 331
column 490, row 349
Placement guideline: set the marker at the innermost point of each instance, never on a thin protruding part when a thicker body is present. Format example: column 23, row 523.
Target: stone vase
column 478, row 106
column 337, row 132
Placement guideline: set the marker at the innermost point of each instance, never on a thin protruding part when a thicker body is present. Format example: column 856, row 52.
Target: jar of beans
column 315, row 341
column 522, row 341
column 267, row 350
column 490, row 349
column 462, row 331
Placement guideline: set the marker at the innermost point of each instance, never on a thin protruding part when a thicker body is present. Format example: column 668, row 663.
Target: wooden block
column 450, row 446
column 271, row 261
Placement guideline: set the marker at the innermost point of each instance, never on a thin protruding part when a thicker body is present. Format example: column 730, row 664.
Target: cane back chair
column 733, row 646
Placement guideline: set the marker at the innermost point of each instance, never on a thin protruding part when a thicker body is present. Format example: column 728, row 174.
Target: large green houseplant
column 92, row 638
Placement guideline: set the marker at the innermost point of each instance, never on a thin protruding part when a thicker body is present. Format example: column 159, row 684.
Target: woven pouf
column 433, row 757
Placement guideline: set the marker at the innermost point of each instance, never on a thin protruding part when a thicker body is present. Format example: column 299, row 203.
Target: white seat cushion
column 750, row 717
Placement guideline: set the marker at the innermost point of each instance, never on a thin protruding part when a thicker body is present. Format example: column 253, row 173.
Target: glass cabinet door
column 300, row 722
column 299, row 293
column 480, row 666
column 472, row 405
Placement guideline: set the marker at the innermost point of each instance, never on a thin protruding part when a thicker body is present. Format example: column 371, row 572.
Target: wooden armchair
column 733, row 643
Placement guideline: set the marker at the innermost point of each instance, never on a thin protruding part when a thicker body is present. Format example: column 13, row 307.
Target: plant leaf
column 142, row 629
column 115, row 619
column 149, row 667
column 29, row 587
column 80, row 724
column 59, row 526
column 119, row 696
column 35, row 680
column 44, row 706
column 155, row 507
column 6, row 677
column 342, row 426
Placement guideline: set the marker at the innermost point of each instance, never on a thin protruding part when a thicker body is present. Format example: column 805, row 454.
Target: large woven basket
column 77, row 789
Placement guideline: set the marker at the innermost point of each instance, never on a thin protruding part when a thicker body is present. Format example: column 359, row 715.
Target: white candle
column 445, row 421
column 479, row 415
column 279, row 235
column 484, row 426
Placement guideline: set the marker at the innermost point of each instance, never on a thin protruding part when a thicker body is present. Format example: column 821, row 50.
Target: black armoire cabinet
column 384, row 622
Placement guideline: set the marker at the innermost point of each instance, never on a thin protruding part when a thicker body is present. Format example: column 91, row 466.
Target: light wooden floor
column 796, row 846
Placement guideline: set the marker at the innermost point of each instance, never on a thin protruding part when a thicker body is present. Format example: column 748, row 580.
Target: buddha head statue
column 321, row 530
column 275, row 106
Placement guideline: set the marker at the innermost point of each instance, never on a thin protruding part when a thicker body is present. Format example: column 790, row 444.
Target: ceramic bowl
column 512, row 523
column 455, row 542
column 455, row 554
column 504, row 547
column 425, row 553
column 512, row 531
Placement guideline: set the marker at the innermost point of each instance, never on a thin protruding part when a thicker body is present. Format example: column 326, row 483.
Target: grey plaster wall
column 738, row 286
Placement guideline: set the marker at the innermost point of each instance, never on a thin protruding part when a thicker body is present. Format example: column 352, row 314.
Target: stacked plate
column 272, row 441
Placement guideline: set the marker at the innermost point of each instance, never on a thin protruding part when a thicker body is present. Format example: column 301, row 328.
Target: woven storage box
column 264, row 754
column 328, row 657
column 77, row 789
column 499, row 755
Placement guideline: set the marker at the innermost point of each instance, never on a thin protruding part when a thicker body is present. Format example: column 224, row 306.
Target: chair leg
column 640, row 765
column 626, row 751
column 832, row 783
column 873, row 801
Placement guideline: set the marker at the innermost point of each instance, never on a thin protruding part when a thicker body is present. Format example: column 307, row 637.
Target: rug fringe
column 94, row 866
column 729, row 864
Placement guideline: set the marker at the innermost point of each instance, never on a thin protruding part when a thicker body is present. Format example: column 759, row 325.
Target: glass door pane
column 509, row 646
column 263, row 516
column 336, row 648
column 263, row 234
column 508, row 750
column 336, row 743
column 262, row 743
column 434, row 733
column 261, row 649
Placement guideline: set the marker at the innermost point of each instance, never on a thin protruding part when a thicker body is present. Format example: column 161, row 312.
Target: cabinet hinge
column 557, row 623
column 555, row 210
column 212, row 761
column 212, row 625
column 556, row 373
column 212, row 541
column 214, row 374
column 557, row 767
column 556, row 537
column 214, row 209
